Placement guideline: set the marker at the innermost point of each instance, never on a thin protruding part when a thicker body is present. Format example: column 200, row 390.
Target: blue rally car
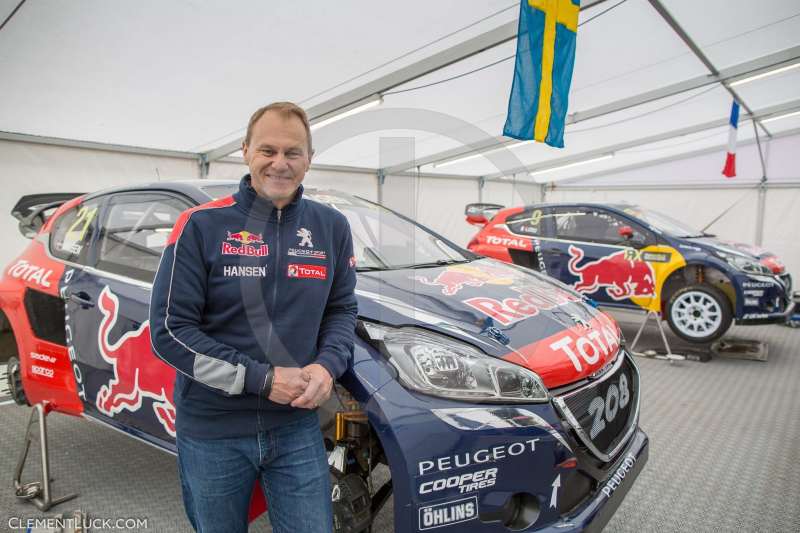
column 499, row 398
column 623, row 255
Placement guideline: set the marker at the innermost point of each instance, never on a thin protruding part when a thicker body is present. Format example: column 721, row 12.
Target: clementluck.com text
column 18, row 523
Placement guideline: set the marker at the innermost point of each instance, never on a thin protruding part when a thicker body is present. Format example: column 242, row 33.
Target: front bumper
column 597, row 511
column 449, row 476
column 765, row 300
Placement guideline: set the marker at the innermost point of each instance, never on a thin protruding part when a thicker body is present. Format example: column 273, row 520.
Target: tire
column 699, row 313
column 15, row 382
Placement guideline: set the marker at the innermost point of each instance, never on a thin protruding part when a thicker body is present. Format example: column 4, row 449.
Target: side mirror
column 626, row 232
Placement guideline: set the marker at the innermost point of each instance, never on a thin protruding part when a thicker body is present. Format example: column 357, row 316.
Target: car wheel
column 699, row 313
column 15, row 382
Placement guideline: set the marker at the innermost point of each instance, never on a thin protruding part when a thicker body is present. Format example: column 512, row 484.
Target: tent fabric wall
column 435, row 202
column 780, row 155
column 511, row 193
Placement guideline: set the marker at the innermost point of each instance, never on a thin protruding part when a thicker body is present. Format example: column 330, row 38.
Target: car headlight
column 441, row 366
column 745, row 264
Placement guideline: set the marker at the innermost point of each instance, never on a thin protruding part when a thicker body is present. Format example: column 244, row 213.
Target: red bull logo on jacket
column 138, row 374
column 623, row 274
column 247, row 240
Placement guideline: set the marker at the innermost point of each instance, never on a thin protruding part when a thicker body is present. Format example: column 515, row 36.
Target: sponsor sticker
column 305, row 252
column 245, row 237
column 448, row 513
column 757, row 284
column 510, row 242
column 305, row 238
column 482, row 456
column 245, row 249
column 454, row 278
column 616, row 480
column 248, row 242
column 244, row 271
column 601, row 340
column 656, row 257
column 295, row 270
column 622, row 274
column 532, row 300
column 43, row 357
column 30, row 272
column 135, row 374
column 466, row 482
column 537, row 248
column 42, row 371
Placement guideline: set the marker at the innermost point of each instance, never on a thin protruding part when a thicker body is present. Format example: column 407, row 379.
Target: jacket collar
column 262, row 208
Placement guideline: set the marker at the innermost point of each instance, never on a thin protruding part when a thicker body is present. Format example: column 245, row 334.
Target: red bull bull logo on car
column 623, row 274
column 455, row 278
column 247, row 241
column 136, row 376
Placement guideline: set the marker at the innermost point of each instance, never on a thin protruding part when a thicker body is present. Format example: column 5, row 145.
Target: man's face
column 278, row 156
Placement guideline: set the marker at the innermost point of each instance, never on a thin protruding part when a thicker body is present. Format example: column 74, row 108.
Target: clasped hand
column 306, row 387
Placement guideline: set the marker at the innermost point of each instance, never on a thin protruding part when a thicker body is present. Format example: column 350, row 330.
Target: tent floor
column 724, row 451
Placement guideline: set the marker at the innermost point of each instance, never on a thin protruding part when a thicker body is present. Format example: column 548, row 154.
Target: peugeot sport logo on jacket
column 222, row 314
column 305, row 238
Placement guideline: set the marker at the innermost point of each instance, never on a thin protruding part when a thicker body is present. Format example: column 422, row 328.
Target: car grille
column 604, row 413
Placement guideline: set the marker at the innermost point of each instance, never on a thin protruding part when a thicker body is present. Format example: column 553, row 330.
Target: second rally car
column 623, row 255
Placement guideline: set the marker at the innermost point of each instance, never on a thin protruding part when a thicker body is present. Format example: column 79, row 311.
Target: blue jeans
column 217, row 478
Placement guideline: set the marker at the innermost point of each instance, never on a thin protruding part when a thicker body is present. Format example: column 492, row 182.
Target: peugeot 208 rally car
column 626, row 256
column 498, row 397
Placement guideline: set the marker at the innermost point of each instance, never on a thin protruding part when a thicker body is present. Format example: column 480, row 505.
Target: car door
column 597, row 252
column 108, row 313
column 533, row 223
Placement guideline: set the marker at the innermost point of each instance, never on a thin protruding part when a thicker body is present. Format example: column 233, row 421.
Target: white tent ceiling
column 185, row 75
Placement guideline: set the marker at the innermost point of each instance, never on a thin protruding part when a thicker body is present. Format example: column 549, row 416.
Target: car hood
column 504, row 310
column 756, row 253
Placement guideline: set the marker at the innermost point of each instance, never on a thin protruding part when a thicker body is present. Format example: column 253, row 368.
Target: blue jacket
column 242, row 286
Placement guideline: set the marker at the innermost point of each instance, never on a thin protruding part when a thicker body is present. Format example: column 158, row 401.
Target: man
column 253, row 304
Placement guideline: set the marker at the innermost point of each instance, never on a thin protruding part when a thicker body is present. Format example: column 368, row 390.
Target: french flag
column 730, row 161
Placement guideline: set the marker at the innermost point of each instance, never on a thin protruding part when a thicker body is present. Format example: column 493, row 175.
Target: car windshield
column 382, row 240
column 663, row 222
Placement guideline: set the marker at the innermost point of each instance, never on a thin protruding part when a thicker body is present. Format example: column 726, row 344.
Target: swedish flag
column 537, row 106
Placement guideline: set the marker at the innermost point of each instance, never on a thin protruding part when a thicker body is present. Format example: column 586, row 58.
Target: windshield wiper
column 437, row 263
column 370, row 268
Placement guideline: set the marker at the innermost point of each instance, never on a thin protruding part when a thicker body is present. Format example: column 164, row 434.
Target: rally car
column 623, row 255
column 499, row 398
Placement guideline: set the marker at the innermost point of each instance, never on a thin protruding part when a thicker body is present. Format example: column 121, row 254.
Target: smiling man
column 253, row 303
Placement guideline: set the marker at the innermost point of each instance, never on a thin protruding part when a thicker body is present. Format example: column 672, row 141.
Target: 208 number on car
column 604, row 410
